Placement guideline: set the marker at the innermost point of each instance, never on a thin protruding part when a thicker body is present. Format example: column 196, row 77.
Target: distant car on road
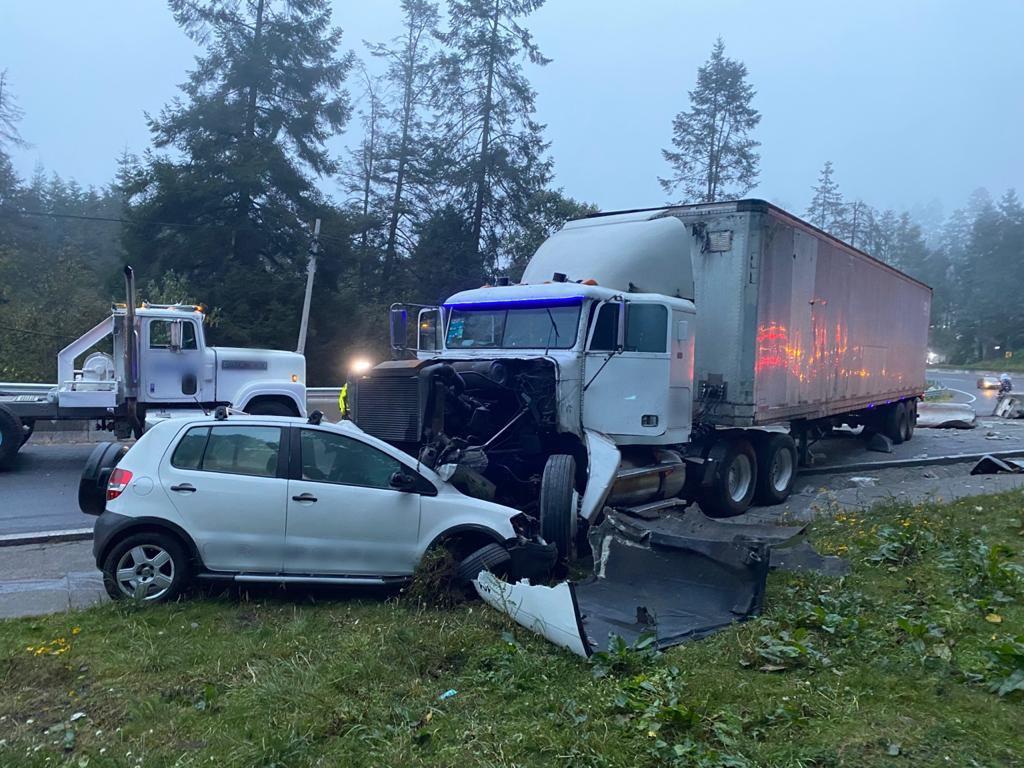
column 988, row 382
column 284, row 499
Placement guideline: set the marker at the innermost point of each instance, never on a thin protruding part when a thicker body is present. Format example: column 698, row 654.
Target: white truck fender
column 602, row 465
column 294, row 391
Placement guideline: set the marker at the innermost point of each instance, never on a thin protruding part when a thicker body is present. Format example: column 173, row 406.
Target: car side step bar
column 257, row 578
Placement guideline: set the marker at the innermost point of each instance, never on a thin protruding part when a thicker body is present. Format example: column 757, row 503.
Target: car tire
column 12, row 433
column 735, row 482
column 160, row 564
column 776, row 469
column 92, row 485
column 894, row 422
column 558, row 503
column 492, row 557
column 270, row 408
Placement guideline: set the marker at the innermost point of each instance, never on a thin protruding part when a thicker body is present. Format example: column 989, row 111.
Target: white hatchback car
column 283, row 499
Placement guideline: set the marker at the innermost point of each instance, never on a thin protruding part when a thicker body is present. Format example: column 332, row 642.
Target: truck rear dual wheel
column 732, row 490
column 776, row 469
column 12, row 436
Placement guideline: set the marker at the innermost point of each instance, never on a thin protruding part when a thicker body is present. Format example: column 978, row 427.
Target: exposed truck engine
column 651, row 359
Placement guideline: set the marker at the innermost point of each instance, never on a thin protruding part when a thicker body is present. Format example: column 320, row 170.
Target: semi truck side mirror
column 175, row 342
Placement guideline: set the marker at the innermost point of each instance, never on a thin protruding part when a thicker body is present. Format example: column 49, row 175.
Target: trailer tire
column 732, row 490
column 12, row 434
column 911, row 408
column 776, row 469
column 491, row 557
column 558, row 503
column 894, row 421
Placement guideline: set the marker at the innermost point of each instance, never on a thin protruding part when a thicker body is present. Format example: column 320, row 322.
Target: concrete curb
column 45, row 537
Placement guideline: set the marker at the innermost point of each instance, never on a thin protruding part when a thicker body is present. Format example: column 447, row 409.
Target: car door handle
column 184, row 488
column 304, row 497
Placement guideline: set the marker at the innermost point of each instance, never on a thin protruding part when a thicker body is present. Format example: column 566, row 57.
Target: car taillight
column 119, row 480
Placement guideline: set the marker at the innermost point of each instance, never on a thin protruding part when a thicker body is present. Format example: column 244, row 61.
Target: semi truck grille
column 389, row 407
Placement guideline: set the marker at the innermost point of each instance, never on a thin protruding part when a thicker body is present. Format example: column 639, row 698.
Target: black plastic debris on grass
column 678, row 578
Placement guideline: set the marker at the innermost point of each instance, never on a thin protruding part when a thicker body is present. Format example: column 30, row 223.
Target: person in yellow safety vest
column 343, row 401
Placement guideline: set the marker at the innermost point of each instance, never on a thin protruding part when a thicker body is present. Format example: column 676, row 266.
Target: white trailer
column 160, row 366
column 652, row 358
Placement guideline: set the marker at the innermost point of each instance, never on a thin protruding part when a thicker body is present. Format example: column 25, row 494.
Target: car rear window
column 236, row 450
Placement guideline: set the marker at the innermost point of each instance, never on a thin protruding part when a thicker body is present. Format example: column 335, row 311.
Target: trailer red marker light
column 119, row 480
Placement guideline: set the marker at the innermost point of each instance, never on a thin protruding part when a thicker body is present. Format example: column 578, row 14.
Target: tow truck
column 160, row 366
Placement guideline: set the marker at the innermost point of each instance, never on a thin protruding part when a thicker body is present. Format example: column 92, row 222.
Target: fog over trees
column 448, row 184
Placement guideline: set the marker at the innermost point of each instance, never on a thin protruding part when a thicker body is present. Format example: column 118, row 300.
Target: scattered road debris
column 1010, row 407
column 991, row 465
column 864, row 482
column 450, row 693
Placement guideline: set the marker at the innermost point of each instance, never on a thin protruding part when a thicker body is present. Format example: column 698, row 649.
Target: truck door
column 170, row 361
column 626, row 370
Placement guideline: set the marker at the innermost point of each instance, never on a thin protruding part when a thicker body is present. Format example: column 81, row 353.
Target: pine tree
column 237, row 158
column 250, row 132
column 494, row 148
column 714, row 155
column 826, row 208
column 410, row 73
column 10, row 116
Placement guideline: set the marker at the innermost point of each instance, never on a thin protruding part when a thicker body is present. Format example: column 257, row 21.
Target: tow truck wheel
column 11, row 437
column 732, row 489
column 776, row 469
column 558, row 503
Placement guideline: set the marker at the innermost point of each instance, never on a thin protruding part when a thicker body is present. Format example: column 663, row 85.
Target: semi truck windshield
column 533, row 327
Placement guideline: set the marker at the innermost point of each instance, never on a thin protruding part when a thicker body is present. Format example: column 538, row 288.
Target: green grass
column 899, row 663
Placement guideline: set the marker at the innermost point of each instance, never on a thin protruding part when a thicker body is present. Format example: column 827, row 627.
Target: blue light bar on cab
column 554, row 301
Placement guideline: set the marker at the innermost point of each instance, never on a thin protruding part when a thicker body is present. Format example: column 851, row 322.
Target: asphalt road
column 963, row 386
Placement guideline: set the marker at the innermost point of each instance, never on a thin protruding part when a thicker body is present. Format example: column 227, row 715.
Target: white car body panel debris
column 548, row 611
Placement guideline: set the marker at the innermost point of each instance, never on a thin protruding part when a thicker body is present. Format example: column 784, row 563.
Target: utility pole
column 310, row 273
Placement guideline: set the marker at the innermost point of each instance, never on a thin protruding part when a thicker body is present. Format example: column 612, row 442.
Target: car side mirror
column 175, row 345
column 401, row 481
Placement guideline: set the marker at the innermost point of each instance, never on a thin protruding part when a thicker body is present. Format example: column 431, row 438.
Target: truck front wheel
column 732, row 489
column 558, row 503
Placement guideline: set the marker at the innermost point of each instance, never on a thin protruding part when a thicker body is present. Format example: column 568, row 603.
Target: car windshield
column 509, row 327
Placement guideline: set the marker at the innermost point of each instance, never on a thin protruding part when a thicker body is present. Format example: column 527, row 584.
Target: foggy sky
column 913, row 101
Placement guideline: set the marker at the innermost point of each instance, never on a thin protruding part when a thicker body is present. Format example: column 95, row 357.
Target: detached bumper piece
column 678, row 578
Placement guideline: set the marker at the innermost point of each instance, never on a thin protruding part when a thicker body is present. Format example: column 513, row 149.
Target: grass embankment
column 902, row 662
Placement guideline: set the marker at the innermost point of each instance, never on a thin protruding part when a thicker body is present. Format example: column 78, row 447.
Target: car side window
column 241, row 450
column 189, row 453
column 332, row 458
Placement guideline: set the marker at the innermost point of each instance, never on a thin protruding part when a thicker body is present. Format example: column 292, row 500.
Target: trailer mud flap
column 677, row 581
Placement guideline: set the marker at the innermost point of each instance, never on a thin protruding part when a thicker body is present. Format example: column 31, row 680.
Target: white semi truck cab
column 159, row 366
column 649, row 359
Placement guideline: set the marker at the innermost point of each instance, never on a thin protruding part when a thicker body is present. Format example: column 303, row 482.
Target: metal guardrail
column 22, row 388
